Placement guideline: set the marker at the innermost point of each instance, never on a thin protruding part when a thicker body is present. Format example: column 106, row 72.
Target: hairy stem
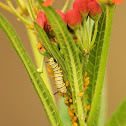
column 104, row 56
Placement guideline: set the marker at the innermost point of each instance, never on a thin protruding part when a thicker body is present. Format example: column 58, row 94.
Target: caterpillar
column 61, row 87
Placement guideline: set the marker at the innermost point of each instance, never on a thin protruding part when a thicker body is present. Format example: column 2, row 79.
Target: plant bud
column 42, row 20
column 81, row 6
column 73, row 18
column 94, row 10
column 62, row 15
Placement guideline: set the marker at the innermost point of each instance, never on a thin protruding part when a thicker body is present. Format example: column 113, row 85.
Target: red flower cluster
column 81, row 9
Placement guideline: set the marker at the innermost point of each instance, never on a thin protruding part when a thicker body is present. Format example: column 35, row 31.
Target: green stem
column 5, row 7
column 34, row 4
column 102, row 67
column 17, row 14
column 95, row 34
column 79, row 40
column 38, row 60
column 31, row 10
column 19, row 4
column 90, row 31
column 84, row 39
column 65, row 6
column 86, row 34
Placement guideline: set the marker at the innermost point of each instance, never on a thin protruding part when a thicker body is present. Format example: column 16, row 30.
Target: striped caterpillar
column 61, row 87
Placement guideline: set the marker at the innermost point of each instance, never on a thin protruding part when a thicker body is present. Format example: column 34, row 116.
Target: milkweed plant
column 72, row 47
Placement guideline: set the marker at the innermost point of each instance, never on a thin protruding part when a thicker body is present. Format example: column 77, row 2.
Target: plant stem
column 34, row 4
column 31, row 10
column 86, row 34
column 90, row 31
column 95, row 34
column 102, row 67
column 84, row 39
column 17, row 14
column 65, row 6
column 5, row 7
column 19, row 4
column 79, row 40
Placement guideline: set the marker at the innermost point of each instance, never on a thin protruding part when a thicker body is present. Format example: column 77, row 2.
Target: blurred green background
column 20, row 105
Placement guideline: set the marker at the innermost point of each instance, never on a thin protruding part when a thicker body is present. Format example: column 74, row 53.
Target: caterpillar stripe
column 58, row 76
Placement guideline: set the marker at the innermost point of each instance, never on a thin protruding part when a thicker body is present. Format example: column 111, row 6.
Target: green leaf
column 64, row 113
column 94, row 61
column 102, row 66
column 37, row 81
column 119, row 116
column 95, row 56
column 72, row 60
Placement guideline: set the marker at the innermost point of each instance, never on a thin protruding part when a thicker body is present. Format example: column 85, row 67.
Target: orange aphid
column 73, row 111
column 73, row 121
column 87, row 107
column 52, row 75
column 85, row 74
column 49, row 70
column 87, row 78
column 39, row 46
column 86, row 83
column 66, row 102
column 18, row 19
column 75, row 124
column 71, row 106
column 67, row 83
column 85, row 88
column 70, row 100
column 70, row 113
column 81, row 94
column 48, row 3
column 34, row 33
column 75, row 118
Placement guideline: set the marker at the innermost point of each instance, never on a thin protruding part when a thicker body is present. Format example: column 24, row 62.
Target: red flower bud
column 81, row 6
column 73, row 18
column 42, row 20
column 62, row 15
column 94, row 10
